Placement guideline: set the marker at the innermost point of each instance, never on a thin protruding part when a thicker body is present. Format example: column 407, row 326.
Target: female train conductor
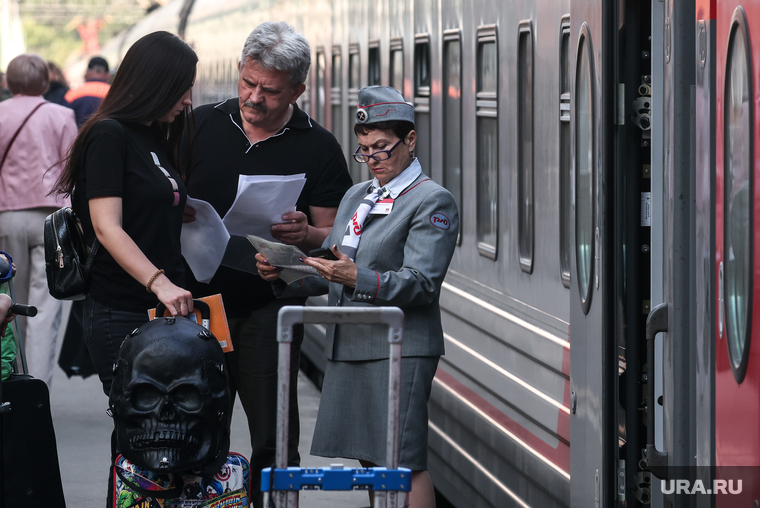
column 393, row 239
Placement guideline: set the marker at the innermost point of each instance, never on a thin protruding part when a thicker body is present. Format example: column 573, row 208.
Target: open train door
column 591, row 273
column 737, row 217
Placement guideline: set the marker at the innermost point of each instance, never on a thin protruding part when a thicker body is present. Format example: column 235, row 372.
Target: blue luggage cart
column 391, row 485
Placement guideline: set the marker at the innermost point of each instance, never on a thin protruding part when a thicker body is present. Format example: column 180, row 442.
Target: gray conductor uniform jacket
column 401, row 260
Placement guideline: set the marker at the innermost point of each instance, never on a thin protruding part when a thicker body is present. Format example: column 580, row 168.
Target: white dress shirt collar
column 402, row 181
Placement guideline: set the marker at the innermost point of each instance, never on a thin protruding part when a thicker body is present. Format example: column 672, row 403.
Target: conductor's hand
column 178, row 301
column 342, row 271
column 188, row 215
column 266, row 271
column 293, row 229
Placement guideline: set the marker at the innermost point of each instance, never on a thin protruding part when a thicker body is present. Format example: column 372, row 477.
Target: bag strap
column 8, row 148
column 156, row 494
column 95, row 243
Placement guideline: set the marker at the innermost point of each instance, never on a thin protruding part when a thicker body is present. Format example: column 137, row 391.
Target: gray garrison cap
column 382, row 104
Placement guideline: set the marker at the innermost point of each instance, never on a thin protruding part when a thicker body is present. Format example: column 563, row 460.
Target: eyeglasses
column 380, row 155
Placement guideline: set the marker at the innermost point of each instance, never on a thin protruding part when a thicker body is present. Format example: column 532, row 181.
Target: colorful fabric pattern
column 228, row 488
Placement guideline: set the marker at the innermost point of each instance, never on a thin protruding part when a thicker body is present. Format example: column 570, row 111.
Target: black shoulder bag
column 67, row 259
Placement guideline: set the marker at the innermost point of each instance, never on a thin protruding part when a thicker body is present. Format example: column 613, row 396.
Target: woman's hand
column 343, row 271
column 106, row 213
column 266, row 271
column 177, row 300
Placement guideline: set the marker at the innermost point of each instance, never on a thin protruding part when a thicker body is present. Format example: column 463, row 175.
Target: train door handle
column 657, row 322
column 721, row 299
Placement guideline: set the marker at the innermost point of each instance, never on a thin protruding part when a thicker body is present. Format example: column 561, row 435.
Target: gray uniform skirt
column 353, row 411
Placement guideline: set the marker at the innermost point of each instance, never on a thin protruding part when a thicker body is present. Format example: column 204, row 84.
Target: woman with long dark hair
column 125, row 178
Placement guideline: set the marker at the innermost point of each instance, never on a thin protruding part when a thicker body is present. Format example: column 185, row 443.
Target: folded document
column 287, row 257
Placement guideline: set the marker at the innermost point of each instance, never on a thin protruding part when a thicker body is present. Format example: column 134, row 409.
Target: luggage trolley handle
column 197, row 304
column 291, row 315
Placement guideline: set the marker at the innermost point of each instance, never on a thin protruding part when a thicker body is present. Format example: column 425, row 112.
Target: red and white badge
column 440, row 221
column 382, row 207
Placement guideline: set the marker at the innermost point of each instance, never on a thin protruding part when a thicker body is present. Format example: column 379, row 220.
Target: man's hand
column 5, row 305
column 294, row 230
column 188, row 215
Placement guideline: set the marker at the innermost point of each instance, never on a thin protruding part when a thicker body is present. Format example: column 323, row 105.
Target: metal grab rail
column 291, row 315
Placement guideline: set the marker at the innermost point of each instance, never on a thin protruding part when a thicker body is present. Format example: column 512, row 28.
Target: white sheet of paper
column 284, row 256
column 261, row 201
column 204, row 241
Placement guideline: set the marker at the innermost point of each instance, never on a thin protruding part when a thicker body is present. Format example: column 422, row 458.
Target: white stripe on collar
column 402, row 181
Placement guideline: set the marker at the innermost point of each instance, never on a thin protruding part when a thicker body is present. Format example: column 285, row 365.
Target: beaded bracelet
column 150, row 281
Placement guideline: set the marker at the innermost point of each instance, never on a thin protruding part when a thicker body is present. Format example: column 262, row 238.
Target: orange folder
column 217, row 320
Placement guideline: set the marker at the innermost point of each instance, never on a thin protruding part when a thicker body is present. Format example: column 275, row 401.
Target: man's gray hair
column 27, row 75
column 277, row 46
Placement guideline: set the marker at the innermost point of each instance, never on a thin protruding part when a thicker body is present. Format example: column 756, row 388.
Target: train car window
column 738, row 189
column 487, row 148
column 354, row 83
column 525, row 202
column 565, row 160
column 373, row 67
column 335, row 95
column 584, row 167
column 354, row 68
column 396, row 77
column 321, row 95
column 422, row 99
column 452, row 117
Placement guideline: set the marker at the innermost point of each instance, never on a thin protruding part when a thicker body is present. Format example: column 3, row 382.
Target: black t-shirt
column 224, row 152
column 120, row 161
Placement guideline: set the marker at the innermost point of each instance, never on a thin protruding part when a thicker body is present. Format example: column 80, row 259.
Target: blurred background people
column 58, row 85
column 4, row 92
column 34, row 136
column 86, row 99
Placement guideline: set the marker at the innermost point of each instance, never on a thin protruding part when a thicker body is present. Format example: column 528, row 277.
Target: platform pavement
column 83, row 434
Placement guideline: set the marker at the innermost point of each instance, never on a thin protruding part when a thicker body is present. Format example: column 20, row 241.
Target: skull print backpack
column 171, row 405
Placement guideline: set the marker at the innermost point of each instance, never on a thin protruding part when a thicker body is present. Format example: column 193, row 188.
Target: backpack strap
column 8, row 148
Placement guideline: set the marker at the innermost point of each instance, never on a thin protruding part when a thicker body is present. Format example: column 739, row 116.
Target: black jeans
column 253, row 374
column 104, row 331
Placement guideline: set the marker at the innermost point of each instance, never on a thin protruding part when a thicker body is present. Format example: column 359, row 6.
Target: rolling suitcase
column 391, row 485
column 30, row 472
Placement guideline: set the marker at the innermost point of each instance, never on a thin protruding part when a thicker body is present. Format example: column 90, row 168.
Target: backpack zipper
column 58, row 249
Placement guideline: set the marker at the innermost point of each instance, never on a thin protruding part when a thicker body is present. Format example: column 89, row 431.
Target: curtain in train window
column 354, row 82
column 319, row 109
column 565, row 160
column 737, row 196
column 336, row 99
column 397, row 65
column 373, row 67
column 584, row 167
column 422, row 100
column 487, row 148
column 452, row 117
column 525, row 203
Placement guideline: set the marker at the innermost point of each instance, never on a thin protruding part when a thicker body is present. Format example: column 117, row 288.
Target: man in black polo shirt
column 263, row 132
